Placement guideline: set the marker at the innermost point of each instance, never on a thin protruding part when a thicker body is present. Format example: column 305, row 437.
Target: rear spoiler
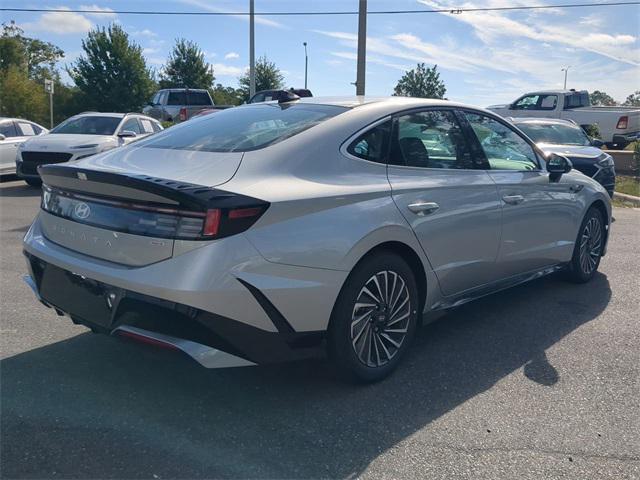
column 140, row 188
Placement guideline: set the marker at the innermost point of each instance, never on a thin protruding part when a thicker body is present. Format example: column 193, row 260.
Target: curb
column 623, row 197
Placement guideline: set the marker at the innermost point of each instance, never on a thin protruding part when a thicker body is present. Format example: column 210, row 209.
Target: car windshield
column 89, row 125
column 244, row 128
column 555, row 134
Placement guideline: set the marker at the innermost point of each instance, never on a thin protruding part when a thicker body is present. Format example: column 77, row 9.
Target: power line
column 289, row 14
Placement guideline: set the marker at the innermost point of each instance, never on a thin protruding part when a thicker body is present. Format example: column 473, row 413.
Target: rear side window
column 198, row 98
column 432, row 139
column 177, row 98
column 537, row 102
column 27, row 129
column 8, row 130
column 156, row 126
column 146, row 125
column 373, row 145
column 243, row 128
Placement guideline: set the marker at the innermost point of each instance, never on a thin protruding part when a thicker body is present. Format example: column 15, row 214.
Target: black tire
column 588, row 248
column 33, row 182
column 372, row 335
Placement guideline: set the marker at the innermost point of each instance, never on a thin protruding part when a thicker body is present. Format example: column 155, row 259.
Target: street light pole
column 252, row 51
column 566, row 71
column 362, row 46
column 306, row 64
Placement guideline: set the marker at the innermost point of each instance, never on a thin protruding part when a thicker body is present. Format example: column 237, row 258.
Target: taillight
column 623, row 122
column 153, row 220
column 183, row 114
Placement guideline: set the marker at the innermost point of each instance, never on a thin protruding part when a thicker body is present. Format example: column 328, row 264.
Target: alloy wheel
column 380, row 318
column 590, row 245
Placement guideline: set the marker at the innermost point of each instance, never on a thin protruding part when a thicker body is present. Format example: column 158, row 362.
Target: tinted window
column 8, row 130
column 131, row 125
column 27, row 129
column 556, row 134
column 177, row 98
column 537, row 102
column 89, row 125
column 258, row 97
column 199, row 98
column 432, row 139
column 373, row 145
column 503, row 147
column 243, row 128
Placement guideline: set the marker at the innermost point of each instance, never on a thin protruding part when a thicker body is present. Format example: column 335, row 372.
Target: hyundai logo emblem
column 82, row 210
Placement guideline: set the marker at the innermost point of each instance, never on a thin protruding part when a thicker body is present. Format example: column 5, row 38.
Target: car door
column 539, row 213
column 451, row 204
column 9, row 146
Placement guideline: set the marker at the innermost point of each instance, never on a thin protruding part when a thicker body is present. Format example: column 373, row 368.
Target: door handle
column 423, row 208
column 513, row 199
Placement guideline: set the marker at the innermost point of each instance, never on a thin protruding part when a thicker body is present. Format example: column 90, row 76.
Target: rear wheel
column 588, row 249
column 33, row 182
column 374, row 319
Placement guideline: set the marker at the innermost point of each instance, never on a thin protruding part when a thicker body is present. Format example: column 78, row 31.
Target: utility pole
column 362, row 46
column 306, row 64
column 252, row 51
column 48, row 88
column 566, row 71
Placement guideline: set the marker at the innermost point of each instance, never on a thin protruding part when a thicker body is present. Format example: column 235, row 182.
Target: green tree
column 601, row 98
column 186, row 67
column 112, row 74
column 633, row 100
column 421, row 82
column 22, row 97
column 226, row 95
column 268, row 77
column 36, row 57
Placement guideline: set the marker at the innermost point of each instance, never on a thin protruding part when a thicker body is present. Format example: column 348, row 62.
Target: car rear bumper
column 255, row 312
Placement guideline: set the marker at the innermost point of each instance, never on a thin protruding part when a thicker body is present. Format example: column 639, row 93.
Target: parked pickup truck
column 178, row 104
column 618, row 126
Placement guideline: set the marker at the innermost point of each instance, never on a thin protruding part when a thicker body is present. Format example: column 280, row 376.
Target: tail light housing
column 183, row 114
column 234, row 214
column 623, row 122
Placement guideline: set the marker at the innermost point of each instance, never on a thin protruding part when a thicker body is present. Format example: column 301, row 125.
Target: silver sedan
column 269, row 231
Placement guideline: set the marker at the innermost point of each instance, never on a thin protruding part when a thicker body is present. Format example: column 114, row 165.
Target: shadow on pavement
column 19, row 190
column 94, row 407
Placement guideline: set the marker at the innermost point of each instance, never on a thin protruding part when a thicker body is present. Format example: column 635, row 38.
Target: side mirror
column 558, row 165
column 596, row 142
column 127, row 134
column 2, row 137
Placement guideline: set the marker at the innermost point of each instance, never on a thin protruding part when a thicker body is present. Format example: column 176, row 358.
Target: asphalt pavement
column 538, row 382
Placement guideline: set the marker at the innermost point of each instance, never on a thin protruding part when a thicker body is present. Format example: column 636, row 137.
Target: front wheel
column 588, row 248
column 374, row 318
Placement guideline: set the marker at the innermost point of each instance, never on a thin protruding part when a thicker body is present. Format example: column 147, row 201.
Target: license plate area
column 79, row 296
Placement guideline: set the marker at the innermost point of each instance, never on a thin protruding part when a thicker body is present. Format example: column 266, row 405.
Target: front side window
column 432, row 139
column 503, row 147
column 373, row 145
column 537, row 102
column 555, row 134
column 8, row 129
column 131, row 125
column 89, row 125
column 241, row 129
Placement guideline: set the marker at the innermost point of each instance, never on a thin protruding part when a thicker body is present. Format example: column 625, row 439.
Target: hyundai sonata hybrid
column 271, row 231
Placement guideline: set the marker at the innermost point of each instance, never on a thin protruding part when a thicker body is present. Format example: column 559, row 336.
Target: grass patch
column 628, row 185
column 632, row 146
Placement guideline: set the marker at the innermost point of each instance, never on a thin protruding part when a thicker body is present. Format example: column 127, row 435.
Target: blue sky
column 484, row 58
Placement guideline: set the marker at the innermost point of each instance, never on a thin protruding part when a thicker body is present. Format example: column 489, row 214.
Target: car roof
column 182, row 89
column 359, row 101
column 541, row 121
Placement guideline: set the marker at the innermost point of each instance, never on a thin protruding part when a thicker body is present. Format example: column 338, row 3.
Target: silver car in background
column 269, row 231
column 13, row 132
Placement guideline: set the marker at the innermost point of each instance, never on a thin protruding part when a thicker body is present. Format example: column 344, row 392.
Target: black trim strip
column 269, row 308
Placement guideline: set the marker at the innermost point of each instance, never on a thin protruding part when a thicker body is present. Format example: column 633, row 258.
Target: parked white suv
column 79, row 137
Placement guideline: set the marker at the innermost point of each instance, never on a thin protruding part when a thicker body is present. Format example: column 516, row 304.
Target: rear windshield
column 198, row 98
column 89, row 125
column 242, row 129
column 555, row 134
